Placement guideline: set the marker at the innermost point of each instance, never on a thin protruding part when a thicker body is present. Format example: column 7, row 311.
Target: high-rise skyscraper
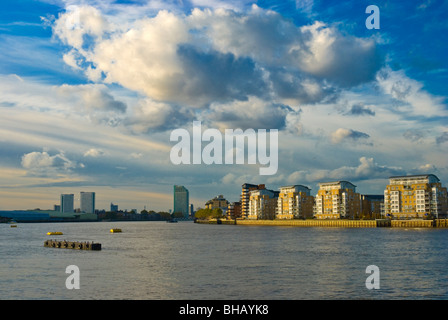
column 67, row 203
column 87, row 202
column 181, row 200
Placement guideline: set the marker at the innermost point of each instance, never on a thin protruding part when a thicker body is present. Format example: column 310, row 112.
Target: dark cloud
column 443, row 138
column 343, row 134
column 253, row 113
column 7, row 104
column 361, row 57
column 153, row 116
column 216, row 76
column 360, row 110
column 92, row 98
column 414, row 135
column 289, row 84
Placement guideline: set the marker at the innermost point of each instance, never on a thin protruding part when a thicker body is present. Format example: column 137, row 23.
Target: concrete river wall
column 436, row 223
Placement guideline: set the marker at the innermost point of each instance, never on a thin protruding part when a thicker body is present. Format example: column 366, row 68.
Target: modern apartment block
column 181, row 200
column 294, row 202
column 87, row 202
column 415, row 196
column 262, row 204
column 336, row 200
column 67, row 201
column 234, row 210
column 245, row 194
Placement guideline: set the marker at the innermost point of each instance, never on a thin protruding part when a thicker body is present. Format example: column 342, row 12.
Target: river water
column 184, row 260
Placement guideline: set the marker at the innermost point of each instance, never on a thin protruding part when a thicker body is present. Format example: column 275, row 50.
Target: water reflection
column 154, row 260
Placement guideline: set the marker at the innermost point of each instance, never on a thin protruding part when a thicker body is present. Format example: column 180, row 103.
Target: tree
column 203, row 213
column 209, row 213
column 165, row 215
column 177, row 215
column 111, row 215
column 217, row 213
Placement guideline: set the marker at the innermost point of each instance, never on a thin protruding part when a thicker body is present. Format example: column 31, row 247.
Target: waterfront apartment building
column 262, row 204
column 294, row 202
column 245, row 194
column 87, row 202
column 181, row 200
column 336, row 200
column 234, row 210
column 415, row 196
column 67, row 201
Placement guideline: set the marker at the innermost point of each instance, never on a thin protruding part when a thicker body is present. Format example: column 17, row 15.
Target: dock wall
column 441, row 223
column 437, row 223
column 312, row 223
column 412, row 223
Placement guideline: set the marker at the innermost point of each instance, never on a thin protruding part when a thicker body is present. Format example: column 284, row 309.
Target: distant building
column 295, row 202
column 67, row 201
column 415, row 196
column 245, row 195
column 372, row 206
column 181, row 200
column 113, row 207
column 57, row 208
column 191, row 210
column 336, row 200
column 262, row 204
column 218, row 202
column 234, row 210
column 87, row 200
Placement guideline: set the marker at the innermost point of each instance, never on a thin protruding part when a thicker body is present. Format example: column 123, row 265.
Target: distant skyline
column 91, row 90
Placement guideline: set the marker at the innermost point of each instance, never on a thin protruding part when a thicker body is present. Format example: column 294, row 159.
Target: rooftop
column 415, row 176
column 336, row 183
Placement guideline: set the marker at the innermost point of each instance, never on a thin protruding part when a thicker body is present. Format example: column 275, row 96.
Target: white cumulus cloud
column 217, row 55
column 44, row 164
column 343, row 134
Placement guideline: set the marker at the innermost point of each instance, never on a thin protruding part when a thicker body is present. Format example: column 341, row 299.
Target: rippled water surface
column 159, row 260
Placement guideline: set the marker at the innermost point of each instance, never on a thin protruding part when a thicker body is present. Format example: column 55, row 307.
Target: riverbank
column 437, row 223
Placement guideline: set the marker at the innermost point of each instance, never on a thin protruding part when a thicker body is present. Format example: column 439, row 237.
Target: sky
column 90, row 92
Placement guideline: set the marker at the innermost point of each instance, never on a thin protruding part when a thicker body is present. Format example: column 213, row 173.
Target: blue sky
column 90, row 91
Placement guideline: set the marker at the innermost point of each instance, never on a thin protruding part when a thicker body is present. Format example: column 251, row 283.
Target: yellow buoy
column 56, row 233
column 13, row 226
column 115, row 230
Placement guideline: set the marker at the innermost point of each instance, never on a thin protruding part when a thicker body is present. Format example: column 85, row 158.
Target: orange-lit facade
column 336, row 200
column 245, row 195
column 416, row 196
column 262, row 204
column 294, row 202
